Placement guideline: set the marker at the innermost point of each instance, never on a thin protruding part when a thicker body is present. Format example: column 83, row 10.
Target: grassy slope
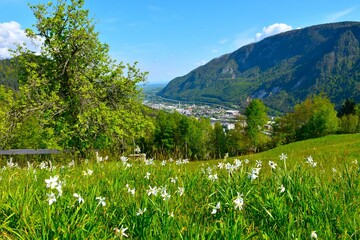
column 315, row 198
column 326, row 150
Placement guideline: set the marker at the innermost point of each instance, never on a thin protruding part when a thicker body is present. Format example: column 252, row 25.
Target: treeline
column 177, row 136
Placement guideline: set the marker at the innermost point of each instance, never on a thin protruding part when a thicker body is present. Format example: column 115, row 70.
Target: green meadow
column 304, row 190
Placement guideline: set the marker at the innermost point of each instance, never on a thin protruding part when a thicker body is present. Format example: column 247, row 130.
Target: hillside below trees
column 281, row 70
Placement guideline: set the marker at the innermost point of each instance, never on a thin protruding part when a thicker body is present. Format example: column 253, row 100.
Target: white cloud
column 336, row 16
column 11, row 34
column 272, row 30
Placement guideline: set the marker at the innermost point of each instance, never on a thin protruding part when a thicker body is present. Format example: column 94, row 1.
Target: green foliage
column 347, row 108
column 73, row 89
column 219, row 141
column 349, row 123
column 7, row 103
column 349, row 117
column 256, row 118
column 176, row 135
column 315, row 117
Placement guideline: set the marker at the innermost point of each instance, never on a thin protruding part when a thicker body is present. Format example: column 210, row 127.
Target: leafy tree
column 7, row 103
column 315, row 117
column 219, row 141
column 79, row 94
column 163, row 142
column 349, row 123
column 256, row 118
column 348, row 107
column 349, row 117
column 200, row 138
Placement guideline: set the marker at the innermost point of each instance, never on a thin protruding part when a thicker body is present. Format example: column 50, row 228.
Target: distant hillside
column 282, row 70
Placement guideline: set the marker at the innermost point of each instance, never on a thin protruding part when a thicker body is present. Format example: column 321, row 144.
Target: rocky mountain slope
column 282, row 70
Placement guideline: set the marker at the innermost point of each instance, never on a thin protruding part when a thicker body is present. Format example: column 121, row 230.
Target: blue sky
column 170, row 38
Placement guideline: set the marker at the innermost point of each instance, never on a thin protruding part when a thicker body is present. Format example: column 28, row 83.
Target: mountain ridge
column 282, row 70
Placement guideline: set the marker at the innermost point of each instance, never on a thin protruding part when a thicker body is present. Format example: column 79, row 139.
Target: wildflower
column 334, row 170
column 123, row 160
column 258, row 163
column 313, row 234
column 281, row 188
column 71, row 164
column 213, row 177
column 253, row 176
column 256, row 170
column 140, row 212
column 181, row 190
column 171, row 214
column 152, row 191
column 43, row 165
column 310, row 161
column 147, row 176
column 137, row 150
column 59, row 188
column 230, row 168
column 165, row 195
column 174, row 180
column 246, row 161
column 163, row 163
column 272, row 165
column 79, row 198
column 185, row 161
column 178, row 162
column 131, row 191
column 221, row 165
column 121, row 231
column 99, row 158
column 239, row 202
column 11, row 164
column 149, row 161
column 52, row 182
column 171, row 160
column 217, row 207
column 88, row 172
column 283, row 156
column 51, row 198
column 101, row 201
column 237, row 163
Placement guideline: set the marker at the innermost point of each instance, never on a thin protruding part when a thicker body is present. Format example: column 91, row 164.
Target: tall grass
column 196, row 200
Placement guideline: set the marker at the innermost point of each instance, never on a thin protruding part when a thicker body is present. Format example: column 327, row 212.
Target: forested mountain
column 282, row 70
column 7, row 73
